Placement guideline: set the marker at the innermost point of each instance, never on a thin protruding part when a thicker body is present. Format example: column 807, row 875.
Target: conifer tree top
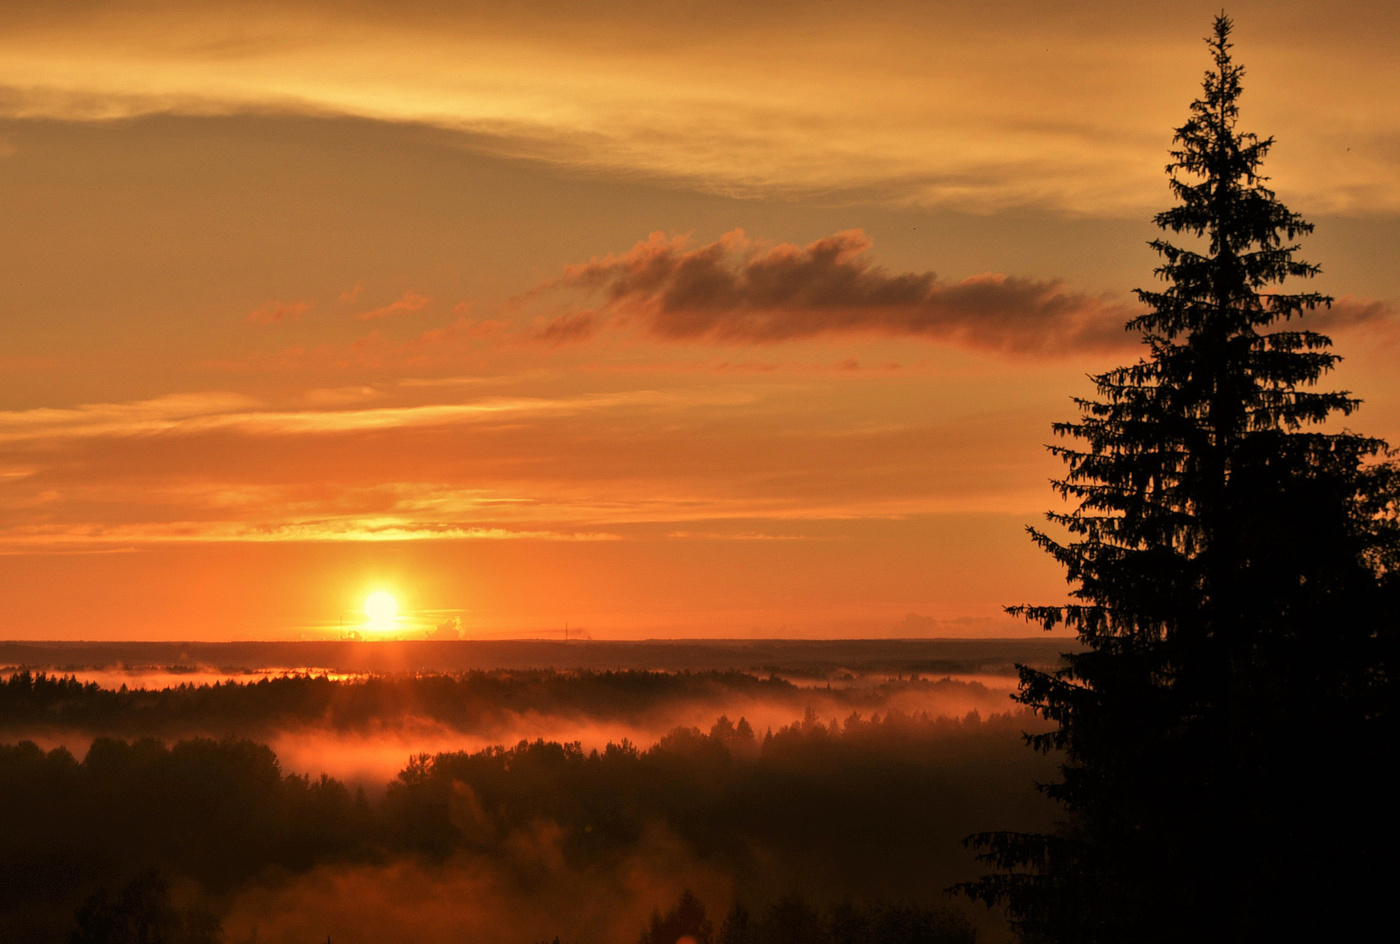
column 1223, row 201
column 1224, row 376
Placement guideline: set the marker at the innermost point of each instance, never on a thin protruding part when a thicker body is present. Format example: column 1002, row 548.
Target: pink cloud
column 411, row 301
column 277, row 312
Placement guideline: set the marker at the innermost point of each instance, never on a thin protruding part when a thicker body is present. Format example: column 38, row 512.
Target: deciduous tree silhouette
column 1233, row 564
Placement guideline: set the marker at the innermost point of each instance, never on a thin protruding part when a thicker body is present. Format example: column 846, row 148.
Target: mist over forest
column 408, row 330
column 517, row 804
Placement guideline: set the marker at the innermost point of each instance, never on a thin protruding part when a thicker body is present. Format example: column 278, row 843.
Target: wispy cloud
column 735, row 536
column 939, row 105
column 696, row 463
column 277, row 312
column 205, row 412
column 326, row 530
column 411, row 301
column 567, row 328
column 1349, row 312
column 737, row 291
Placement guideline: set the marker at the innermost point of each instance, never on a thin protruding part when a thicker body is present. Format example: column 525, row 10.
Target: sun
column 382, row 609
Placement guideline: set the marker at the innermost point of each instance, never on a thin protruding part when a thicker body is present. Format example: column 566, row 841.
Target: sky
column 653, row 319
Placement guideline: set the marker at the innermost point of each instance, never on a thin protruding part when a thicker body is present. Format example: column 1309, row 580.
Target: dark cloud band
column 733, row 290
column 737, row 291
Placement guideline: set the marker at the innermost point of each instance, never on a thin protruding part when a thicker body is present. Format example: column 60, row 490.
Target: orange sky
column 661, row 319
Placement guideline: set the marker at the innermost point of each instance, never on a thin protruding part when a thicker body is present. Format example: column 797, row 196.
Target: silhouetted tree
column 1233, row 570
column 792, row 920
column 143, row 913
column 685, row 919
column 738, row 927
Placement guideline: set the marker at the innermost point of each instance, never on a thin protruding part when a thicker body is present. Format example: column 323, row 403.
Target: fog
column 363, row 728
column 510, row 806
column 473, row 898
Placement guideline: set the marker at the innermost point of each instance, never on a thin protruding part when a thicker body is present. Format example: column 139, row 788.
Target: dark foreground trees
column 1233, row 557
column 539, row 823
column 143, row 913
column 794, row 920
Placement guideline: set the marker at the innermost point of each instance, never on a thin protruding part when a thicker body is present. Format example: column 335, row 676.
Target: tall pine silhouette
column 1232, row 556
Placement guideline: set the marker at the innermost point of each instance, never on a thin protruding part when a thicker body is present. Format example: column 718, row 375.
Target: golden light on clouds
column 662, row 318
column 997, row 105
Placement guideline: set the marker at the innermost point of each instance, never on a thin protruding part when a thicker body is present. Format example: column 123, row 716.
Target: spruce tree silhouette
column 1233, row 571
column 684, row 921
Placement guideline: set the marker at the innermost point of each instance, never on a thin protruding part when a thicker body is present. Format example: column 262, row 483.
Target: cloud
column 942, row 105
column 317, row 531
column 1348, row 311
column 575, row 326
column 735, row 536
column 340, row 396
column 737, row 291
column 702, row 465
column 196, row 413
column 277, row 312
column 411, row 301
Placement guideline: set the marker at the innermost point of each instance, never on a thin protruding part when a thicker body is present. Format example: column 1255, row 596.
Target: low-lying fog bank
column 514, row 844
column 362, row 729
column 508, row 806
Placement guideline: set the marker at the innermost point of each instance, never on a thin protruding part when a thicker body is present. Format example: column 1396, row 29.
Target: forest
column 1207, row 759
column 862, row 811
column 467, row 702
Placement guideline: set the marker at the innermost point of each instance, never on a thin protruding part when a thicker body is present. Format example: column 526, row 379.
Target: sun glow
column 382, row 610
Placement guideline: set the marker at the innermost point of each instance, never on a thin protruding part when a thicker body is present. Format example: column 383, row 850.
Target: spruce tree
column 1232, row 559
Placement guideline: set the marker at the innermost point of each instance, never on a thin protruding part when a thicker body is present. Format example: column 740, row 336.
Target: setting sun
column 792, row 474
column 382, row 609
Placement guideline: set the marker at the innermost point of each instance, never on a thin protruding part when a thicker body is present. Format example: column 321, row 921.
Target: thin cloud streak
column 278, row 312
column 295, row 532
column 200, row 413
column 411, row 301
column 693, row 464
column 644, row 515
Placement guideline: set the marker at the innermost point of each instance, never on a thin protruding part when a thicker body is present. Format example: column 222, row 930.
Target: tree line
column 480, row 700
column 846, row 807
